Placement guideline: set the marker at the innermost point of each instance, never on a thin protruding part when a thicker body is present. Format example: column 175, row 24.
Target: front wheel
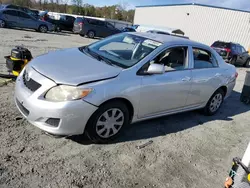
column 58, row 29
column 91, row 34
column 43, row 29
column 2, row 24
column 107, row 122
column 247, row 64
column 214, row 103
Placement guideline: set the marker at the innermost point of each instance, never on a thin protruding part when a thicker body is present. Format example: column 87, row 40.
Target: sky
column 236, row 4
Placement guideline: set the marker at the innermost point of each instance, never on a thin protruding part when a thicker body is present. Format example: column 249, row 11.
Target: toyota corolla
column 100, row 88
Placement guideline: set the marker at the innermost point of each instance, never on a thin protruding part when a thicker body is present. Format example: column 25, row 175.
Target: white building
column 201, row 23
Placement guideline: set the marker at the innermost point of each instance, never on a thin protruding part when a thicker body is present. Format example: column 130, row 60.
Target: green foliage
column 118, row 12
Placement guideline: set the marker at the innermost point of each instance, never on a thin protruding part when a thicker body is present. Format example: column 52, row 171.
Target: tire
column 2, row 24
column 214, row 103
column 91, row 34
column 43, row 29
column 58, row 29
column 98, row 132
column 247, row 64
column 233, row 60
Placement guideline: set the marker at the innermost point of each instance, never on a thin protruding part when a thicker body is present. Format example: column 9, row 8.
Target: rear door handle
column 217, row 75
column 186, row 79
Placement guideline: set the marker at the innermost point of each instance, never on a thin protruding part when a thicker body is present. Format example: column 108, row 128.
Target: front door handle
column 186, row 79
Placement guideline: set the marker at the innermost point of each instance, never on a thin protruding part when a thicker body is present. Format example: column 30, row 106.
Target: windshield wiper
column 98, row 57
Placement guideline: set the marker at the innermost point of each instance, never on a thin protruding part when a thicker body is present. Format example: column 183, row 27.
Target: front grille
column 53, row 122
column 22, row 108
column 30, row 84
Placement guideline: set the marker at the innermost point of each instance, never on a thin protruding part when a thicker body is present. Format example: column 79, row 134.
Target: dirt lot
column 188, row 150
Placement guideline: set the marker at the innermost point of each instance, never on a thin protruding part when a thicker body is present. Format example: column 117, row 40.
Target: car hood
column 73, row 67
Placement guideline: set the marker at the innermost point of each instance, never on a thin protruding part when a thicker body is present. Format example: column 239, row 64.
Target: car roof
column 13, row 9
column 170, row 39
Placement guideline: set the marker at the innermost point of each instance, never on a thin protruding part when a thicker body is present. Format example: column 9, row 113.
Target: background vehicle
column 17, row 18
column 128, row 77
column 166, row 33
column 65, row 22
column 78, row 24
column 232, row 53
column 128, row 29
column 31, row 12
column 158, row 32
column 97, row 28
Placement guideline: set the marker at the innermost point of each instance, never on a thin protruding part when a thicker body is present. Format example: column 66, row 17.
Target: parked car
column 232, row 53
column 128, row 29
column 78, row 23
column 166, row 33
column 97, row 28
column 31, row 12
column 65, row 22
column 122, row 79
column 16, row 18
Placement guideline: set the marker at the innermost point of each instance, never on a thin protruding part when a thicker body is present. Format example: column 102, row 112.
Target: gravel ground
column 189, row 150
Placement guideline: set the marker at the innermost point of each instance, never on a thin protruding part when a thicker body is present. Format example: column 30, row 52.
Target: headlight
column 66, row 93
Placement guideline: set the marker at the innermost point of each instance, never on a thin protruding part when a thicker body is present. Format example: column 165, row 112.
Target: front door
column 243, row 56
column 163, row 93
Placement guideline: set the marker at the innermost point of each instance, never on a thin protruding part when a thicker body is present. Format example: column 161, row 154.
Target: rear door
column 11, row 18
column 205, row 77
column 26, row 21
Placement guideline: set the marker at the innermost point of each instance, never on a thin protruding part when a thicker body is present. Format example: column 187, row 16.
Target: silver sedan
column 99, row 89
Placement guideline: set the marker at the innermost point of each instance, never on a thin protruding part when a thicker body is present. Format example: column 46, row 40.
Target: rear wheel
column 247, row 64
column 2, row 24
column 107, row 122
column 43, row 29
column 91, row 34
column 214, row 103
column 58, row 29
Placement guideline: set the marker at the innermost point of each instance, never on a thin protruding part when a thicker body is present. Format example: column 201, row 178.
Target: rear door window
column 110, row 26
column 24, row 15
column 100, row 23
column 10, row 12
column 203, row 59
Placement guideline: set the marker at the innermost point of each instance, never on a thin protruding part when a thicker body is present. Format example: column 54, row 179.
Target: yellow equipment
column 19, row 57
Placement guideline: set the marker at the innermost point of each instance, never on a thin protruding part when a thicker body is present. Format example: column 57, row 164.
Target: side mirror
column 156, row 69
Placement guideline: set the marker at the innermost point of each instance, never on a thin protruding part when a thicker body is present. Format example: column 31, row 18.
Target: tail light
column 81, row 23
column 228, row 50
column 236, row 74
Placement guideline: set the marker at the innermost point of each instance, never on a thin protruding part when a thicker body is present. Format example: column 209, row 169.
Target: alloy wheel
column 109, row 123
column 91, row 34
column 43, row 29
column 2, row 24
column 216, row 102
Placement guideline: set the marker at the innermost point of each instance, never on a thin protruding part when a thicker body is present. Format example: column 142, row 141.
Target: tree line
column 118, row 12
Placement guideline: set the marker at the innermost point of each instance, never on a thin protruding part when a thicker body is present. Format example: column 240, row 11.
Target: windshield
column 124, row 50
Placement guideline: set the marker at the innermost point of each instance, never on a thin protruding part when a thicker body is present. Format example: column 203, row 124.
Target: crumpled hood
column 72, row 67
